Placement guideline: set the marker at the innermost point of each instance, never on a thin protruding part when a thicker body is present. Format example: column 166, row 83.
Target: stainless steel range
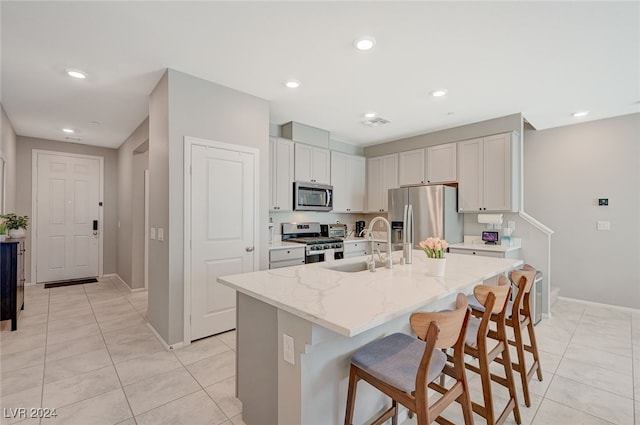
column 318, row 247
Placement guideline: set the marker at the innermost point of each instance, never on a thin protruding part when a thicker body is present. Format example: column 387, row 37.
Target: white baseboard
column 163, row 342
column 614, row 307
column 119, row 279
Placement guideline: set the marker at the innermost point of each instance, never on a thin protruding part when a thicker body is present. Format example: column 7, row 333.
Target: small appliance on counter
column 490, row 237
column 360, row 226
column 333, row 230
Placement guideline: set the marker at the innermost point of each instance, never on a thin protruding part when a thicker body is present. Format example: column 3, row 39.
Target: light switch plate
column 287, row 349
column 604, row 225
column 152, row 233
column 160, row 234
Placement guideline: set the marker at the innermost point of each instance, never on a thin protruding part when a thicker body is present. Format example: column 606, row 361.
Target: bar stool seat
column 395, row 359
column 404, row 367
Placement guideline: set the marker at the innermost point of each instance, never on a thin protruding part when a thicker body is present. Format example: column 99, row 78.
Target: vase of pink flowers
column 435, row 248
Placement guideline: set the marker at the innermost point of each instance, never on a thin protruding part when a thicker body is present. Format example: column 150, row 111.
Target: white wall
column 566, row 170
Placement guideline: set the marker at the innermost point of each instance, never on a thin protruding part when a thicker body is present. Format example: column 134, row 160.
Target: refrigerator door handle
column 405, row 223
column 410, row 222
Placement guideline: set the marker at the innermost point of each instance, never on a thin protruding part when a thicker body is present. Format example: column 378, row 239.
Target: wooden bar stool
column 521, row 320
column 488, row 345
column 404, row 367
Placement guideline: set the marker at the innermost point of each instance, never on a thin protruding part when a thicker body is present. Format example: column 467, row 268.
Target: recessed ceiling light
column 370, row 115
column 76, row 73
column 580, row 114
column 364, row 43
column 292, row 84
column 438, row 92
column 69, row 130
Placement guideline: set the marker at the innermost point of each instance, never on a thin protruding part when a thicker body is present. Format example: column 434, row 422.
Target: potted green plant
column 3, row 230
column 16, row 225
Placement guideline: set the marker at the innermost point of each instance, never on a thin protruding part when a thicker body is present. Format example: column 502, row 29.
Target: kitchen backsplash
column 321, row 217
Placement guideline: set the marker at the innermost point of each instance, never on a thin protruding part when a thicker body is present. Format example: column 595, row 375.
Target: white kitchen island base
column 330, row 315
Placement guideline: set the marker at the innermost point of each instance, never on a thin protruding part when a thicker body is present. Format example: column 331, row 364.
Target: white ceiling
column 544, row 59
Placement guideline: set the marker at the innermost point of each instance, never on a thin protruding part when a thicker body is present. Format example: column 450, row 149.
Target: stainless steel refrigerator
column 419, row 212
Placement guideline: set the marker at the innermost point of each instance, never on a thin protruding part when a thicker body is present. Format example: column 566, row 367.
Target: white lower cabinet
column 286, row 257
column 356, row 248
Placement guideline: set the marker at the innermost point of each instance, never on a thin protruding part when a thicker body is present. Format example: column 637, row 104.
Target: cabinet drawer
column 287, row 263
column 287, row 254
column 477, row 252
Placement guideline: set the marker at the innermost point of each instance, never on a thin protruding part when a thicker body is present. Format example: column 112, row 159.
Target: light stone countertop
column 351, row 303
column 285, row 245
column 481, row 246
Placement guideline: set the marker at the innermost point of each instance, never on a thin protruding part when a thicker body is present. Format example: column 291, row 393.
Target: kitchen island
column 328, row 313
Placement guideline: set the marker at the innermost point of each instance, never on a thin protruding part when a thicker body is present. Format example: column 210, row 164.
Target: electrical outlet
column 287, row 349
column 511, row 225
column 604, row 225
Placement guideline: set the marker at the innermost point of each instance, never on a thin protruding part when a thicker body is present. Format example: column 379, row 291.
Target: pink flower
column 434, row 247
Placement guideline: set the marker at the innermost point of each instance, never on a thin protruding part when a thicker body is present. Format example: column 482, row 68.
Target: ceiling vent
column 375, row 122
column 74, row 139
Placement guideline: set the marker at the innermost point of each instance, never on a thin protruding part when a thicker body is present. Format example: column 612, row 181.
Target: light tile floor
column 590, row 357
column 87, row 352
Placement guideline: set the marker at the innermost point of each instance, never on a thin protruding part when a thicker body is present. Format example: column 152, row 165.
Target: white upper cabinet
column 489, row 174
column 411, row 167
column 348, row 179
column 382, row 175
column 441, row 164
column 436, row 164
column 312, row 164
column 281, row 174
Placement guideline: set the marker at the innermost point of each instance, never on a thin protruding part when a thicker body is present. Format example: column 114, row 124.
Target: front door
column 67, row 196
column 222, row 233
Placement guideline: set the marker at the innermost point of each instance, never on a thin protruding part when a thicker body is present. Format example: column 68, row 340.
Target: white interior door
column 68, row 193
column 222, row 233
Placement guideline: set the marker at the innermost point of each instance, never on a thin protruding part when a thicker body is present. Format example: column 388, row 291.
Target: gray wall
column 8, row 153
column 126, row 260
column 140, row 164
column 198, row 108
column 566, row 170
column 504, row 124
column 158, row 313
column 23, row 198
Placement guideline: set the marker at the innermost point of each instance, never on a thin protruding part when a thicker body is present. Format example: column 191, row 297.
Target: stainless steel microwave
column 312, row 196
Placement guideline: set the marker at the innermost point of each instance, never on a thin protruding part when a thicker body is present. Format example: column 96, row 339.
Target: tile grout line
column 115, row 369
column 44, row 358
column 203, row 388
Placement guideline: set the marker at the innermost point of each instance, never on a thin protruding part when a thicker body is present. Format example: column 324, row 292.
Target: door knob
column 249, row 249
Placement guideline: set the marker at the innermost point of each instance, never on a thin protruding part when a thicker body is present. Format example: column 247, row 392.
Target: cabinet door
column 389, row 178
column 441, row 163
column 374, row 184
column 497, row 173
column 303, row 162
column 382, row 175
column 470, row 175
column 320, row 165
column 411, row 167
column 312, row 164
column 356, row 183
column 339, row 181
column 281, row 174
